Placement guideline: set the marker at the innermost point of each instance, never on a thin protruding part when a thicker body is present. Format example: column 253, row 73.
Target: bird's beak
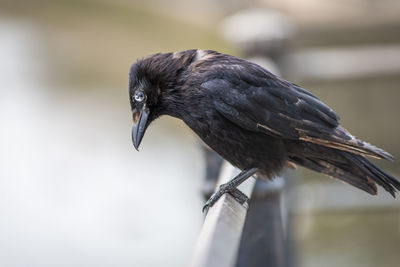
column 139, row 125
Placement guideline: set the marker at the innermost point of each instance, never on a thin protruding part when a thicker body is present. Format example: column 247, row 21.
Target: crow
column 255, row 120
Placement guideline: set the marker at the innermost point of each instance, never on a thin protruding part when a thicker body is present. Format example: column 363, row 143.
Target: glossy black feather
column 253, row 118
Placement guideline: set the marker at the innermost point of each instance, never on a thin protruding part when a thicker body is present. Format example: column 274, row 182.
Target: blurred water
column 73, row 192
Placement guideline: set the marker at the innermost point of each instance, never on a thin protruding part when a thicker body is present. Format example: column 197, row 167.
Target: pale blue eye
column 139, row 96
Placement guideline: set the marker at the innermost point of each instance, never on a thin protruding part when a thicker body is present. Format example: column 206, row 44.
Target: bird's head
column 143, row 95
column 154, row 89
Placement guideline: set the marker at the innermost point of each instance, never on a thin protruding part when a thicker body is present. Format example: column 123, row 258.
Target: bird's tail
column 341, row 139
column 351, row 168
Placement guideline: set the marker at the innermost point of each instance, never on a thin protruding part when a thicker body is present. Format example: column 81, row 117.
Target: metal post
column 263, row 37
column 263, row 239
column 220, row 235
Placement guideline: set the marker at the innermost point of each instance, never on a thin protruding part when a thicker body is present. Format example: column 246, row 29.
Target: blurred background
column 74, row 192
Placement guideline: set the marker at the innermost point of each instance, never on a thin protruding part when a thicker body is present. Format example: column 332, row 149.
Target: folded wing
column 275, row 107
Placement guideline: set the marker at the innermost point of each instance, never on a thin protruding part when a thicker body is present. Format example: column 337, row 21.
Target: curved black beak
column 139, row 127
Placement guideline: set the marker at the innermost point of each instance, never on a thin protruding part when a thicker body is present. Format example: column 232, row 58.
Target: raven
column 255, row 120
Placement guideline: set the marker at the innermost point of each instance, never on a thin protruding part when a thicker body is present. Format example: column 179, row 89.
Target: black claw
column 205, row 208
column 213, row 199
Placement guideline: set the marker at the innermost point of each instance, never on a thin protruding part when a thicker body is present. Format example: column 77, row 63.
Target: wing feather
column 262, row 102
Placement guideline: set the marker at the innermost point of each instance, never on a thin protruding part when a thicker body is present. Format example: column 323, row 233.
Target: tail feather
column 332, row 171
column 388, row 182
column 351, row 168
column 341, row 139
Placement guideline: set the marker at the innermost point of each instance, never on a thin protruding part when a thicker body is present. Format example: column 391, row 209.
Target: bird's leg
column 231, row 188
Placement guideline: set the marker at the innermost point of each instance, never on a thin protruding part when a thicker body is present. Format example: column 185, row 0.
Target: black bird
column 257, row 121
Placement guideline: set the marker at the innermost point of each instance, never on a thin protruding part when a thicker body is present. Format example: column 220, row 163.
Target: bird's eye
column 139, row 96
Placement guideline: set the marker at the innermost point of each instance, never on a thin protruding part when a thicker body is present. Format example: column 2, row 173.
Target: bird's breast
column 242, row 148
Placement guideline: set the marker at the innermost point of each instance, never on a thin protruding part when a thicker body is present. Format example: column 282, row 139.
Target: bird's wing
column 285, row 110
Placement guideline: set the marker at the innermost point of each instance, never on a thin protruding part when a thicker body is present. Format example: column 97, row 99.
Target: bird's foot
column 214, row 197
column 231, row 188
column 238, row 195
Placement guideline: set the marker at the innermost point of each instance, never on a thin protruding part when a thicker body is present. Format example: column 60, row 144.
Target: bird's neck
column 173, row 102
